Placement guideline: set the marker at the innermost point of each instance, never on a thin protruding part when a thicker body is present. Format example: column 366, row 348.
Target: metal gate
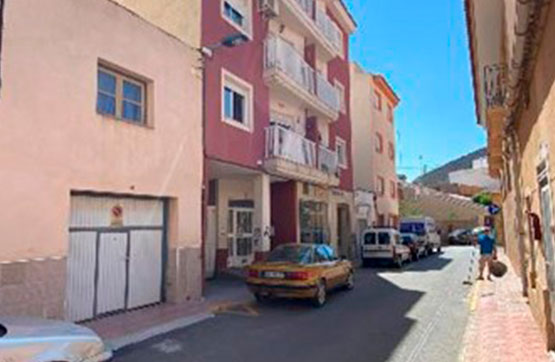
column 115, row 258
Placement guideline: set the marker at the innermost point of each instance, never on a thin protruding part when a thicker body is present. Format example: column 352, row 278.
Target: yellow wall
column 181, row 18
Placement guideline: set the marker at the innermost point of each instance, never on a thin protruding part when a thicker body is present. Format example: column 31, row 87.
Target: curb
column 125, row 341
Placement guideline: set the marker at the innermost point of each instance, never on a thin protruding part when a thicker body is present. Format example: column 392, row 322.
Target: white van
column 426, row 231
column 384, row 244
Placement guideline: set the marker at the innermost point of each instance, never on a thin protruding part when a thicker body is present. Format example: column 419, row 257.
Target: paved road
column 417, row 314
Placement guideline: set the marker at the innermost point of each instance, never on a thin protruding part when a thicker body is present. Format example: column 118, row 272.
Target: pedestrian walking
column 486, row 241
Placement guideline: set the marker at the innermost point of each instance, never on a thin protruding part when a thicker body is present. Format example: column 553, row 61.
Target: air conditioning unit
column 269, row 8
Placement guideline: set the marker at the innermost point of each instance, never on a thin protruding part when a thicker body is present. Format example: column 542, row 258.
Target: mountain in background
column 440, row 175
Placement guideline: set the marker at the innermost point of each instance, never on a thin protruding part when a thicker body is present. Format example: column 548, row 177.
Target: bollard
column 470, row 276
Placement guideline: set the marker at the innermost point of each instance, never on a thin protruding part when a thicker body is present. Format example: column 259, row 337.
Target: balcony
column 292, row 156
column 287, row 71
column 305, row 18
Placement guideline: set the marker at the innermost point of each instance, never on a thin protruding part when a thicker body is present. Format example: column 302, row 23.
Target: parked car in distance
column 460, row 237
column 42, row 340
column 425, row 229
column 416, row 246
column 384, row 244
column 300, row 271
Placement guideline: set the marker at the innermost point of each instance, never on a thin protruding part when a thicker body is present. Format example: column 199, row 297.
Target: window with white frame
column 237, row 96
column 341, row 89
column 341, row 149
column 381, row 186
column 238, row 13
column 120, row 96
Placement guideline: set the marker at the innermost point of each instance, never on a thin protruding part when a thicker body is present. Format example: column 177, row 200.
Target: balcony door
column 240, row 236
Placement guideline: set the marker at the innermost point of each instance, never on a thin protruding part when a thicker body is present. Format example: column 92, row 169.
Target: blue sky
column 421, row 48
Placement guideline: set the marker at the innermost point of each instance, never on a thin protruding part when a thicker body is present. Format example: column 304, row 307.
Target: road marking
column 473, row 300
column 168, row 346
column 242, row 309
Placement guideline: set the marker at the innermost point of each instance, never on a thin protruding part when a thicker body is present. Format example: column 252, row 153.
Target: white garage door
column 115, row 258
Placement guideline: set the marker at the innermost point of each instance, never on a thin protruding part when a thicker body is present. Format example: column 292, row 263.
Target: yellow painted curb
column 473, row 301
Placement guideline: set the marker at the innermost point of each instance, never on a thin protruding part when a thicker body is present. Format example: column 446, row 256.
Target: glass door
column 240, row 236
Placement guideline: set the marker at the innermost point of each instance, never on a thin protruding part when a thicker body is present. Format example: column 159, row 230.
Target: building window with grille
column 393, row 189
column 341, row 148
column 237, row 98
column 390, row 113
column 391, row 151
column 121, row 96
column 377, row 100
column 238, row 14
column 381, row 186
column 314, row 222
column 341, row 90
column 379, row 143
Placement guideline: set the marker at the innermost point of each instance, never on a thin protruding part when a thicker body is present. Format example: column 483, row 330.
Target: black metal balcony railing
column 495, row 86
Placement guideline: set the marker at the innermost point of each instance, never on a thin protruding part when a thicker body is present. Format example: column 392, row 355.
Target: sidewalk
column 136, row 326
column 501, row 327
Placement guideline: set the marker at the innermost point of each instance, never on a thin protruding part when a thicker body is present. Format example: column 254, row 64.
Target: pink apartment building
column 374, row 149
column 101, row 161
column 277, row 128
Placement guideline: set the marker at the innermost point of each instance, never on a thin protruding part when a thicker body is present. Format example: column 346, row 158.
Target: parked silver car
column 41, row 340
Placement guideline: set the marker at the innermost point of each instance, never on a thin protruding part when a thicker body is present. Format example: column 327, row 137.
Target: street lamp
column 230, row 41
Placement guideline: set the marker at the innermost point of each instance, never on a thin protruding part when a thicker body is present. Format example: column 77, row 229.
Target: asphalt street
column 418, row 313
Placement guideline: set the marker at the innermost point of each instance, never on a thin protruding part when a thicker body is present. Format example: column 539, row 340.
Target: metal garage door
column 115, row 258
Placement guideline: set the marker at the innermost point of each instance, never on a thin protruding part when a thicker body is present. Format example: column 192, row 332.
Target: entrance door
column 112, row 272
column 343, row 231
column 210, row 243
column 240, row 237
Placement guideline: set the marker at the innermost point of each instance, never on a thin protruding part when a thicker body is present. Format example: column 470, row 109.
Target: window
column 377, row 100
column 381, row 186
column 341, row 89
column 236, row 102
column 370, row 238
column 341, row 149
column 233, row 14
column 393, row 189
column 391, row 151
column 379, row 143
column 314, row 222
column 384, row 238
column 237, row 14
column 390, row 113
column 120, row 96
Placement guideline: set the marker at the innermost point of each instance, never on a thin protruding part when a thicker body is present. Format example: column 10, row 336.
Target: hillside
column 440, row 175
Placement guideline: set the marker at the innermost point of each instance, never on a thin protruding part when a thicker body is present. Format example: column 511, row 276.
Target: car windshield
column 3, row 330
column 370, row 238
column 384, row 239
column 413, row 227
column 298, row 254
column 407, row 240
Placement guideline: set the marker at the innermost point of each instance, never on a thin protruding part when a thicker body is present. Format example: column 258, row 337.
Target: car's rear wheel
column 350, row 283
column 321, row 294
column 261, row 298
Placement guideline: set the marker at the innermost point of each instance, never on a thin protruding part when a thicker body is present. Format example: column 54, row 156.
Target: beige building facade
column 373, row 103
column 100, row 127
column 514, row 78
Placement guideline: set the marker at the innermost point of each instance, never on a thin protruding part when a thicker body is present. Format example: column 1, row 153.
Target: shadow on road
column 366, row 324
column 433, row 262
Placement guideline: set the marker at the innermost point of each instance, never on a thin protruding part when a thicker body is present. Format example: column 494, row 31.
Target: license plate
column 274, row 275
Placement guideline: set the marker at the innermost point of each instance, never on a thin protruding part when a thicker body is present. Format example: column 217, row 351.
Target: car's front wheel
column 321, row 294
